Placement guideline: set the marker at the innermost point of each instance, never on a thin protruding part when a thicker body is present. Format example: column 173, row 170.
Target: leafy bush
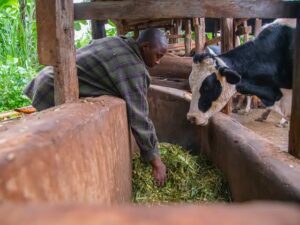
column 18, row 51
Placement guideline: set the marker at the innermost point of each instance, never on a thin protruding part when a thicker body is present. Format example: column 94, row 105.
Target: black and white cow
column 261, row 67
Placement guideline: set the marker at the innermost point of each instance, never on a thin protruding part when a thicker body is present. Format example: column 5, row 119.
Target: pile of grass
column 190, row 179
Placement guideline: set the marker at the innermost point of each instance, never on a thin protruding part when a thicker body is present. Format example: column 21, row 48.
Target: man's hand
column 158, row 171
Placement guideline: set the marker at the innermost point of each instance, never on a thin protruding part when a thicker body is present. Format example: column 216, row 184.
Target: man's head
column 153, row 45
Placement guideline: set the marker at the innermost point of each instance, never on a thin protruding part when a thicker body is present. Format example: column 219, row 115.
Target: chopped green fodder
column 190, row 179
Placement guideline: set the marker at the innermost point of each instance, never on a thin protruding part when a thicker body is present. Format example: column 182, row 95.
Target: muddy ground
column 267, row 129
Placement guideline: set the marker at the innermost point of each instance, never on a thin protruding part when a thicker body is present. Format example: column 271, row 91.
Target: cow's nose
column 192, row 119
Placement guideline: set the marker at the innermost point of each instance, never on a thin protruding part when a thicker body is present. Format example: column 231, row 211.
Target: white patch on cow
column 288, row 22
column 199, row 72
column 284, row 106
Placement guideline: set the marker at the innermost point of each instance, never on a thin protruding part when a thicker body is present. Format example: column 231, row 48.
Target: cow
column 261, row 67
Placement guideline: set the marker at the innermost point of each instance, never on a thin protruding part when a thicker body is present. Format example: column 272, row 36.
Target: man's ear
column 145, row 44
column 232, row 77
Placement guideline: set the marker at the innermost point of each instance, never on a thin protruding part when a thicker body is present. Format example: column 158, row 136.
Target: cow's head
column 212, row 85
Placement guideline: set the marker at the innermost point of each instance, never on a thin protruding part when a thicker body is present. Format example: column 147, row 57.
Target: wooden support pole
column 258, row 24
column 188, row 37
column 246, row 35
column 200, row 38
column 294, row 135
column 98, row 29
column 55, row 27
column 227, row 43
column 236, row 38
column 175, row 31
column 136, row 33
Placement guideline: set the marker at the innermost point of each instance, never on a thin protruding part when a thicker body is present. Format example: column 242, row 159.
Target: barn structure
column 80, row 151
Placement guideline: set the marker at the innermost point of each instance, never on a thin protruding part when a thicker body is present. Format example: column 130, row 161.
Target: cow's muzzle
column 195, row 119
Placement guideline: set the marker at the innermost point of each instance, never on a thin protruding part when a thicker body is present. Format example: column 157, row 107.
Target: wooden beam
column 130, row 9
column 131, row 25
column 294, row 135
column 55, row 26
column 227, row 43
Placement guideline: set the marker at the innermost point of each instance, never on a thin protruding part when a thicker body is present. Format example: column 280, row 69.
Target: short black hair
column 154, row 36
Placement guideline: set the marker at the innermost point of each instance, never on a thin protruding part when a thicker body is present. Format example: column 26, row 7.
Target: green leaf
column 77, row 26
column 9, row 3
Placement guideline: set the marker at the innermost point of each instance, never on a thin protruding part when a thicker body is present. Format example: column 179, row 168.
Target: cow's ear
column 232, row 77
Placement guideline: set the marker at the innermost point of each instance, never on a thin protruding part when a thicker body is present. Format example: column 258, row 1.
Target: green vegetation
column 18, row 49
column 190, row 179
column 18, row 57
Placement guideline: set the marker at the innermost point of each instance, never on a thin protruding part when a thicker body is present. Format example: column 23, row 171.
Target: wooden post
column 236, row 38
column 136, row 33
column 294, row 135
column 55, row 27
column 258, row 24
column 246, row 36
column 200, row 38
column 175, row 31
column 227, row 40
column 188, row 37
column 98, row 29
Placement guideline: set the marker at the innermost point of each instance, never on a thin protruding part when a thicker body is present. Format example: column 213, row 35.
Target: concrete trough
column 254, row 167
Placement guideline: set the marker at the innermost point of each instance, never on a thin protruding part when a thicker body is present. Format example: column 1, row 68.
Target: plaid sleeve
column 132, row 85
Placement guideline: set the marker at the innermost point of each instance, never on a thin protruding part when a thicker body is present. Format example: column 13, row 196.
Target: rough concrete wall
column 234, row 214
column 78, row 152
column 254, row 167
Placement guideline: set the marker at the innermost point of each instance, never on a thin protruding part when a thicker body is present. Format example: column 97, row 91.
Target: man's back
column 102, row 67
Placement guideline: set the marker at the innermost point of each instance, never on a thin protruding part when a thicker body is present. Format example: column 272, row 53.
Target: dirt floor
column 267, row 129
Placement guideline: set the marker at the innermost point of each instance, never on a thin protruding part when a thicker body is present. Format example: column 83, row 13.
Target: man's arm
column 132, row 86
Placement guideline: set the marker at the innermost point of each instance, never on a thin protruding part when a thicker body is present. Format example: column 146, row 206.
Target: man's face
column 152, row 55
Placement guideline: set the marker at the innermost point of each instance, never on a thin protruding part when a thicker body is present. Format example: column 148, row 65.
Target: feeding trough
column 81, row 152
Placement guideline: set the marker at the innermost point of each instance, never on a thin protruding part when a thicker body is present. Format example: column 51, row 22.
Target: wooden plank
column 227, row 43
column 294, row 135
column 130, row 9
column 56, row 46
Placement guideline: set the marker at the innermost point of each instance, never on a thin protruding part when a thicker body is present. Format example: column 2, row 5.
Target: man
column 116, row 66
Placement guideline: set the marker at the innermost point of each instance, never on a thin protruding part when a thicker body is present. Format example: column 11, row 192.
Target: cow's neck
column 238, row 58
column 268, row 57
